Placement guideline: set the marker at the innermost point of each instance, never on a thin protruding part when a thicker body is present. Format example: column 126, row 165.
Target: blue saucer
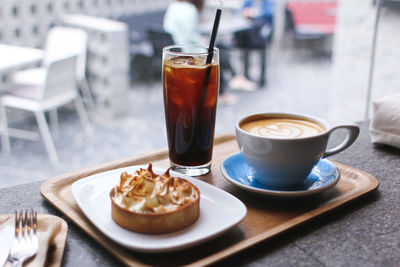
column 323, row 176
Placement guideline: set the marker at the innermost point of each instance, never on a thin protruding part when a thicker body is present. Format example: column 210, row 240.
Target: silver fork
column 26, row 243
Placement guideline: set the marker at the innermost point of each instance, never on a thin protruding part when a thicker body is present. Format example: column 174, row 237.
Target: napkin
column 385, row 121
column 52, row 235
column 6, row 238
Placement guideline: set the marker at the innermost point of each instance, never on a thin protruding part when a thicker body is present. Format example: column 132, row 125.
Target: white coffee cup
column 281, row 160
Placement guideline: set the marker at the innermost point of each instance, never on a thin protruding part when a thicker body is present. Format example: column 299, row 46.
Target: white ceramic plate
column 219, row 212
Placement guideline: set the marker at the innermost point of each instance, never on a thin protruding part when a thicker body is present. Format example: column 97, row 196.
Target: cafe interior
column 85, row 114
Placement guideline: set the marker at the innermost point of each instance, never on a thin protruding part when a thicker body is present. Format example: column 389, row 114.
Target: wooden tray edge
column 115, row 164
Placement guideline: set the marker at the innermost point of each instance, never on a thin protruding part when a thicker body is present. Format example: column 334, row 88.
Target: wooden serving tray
column 266, row 217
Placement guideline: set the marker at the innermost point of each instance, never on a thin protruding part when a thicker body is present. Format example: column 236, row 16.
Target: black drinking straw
column 208, row 71
column 213, row 36
column 209, row 57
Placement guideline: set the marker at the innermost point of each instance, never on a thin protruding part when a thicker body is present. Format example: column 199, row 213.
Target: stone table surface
column 364, row 232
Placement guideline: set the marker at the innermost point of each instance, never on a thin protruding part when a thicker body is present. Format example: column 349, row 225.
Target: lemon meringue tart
column 145, row 202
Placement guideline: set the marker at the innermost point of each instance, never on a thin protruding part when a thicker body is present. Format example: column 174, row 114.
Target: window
column 50, row 7
column 33, row 9
column 15, row 11
column 35, row 29
column 17, row 32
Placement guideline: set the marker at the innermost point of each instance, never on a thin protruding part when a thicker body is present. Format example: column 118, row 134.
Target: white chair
column 61, row 42
column 58, row 89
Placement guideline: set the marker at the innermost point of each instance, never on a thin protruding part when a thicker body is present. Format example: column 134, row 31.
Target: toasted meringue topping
column 146, row 192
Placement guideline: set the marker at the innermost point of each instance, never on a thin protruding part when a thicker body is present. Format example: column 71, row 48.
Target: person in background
column 182, row 20
column 261, row 15
column 259, row 11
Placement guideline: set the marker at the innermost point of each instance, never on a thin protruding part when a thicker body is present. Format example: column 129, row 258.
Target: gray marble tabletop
column 364, row 232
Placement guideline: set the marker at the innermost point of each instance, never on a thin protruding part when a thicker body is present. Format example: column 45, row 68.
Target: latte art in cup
column 282, row 128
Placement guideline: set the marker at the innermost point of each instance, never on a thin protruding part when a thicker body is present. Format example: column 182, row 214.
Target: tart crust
column 156, row 222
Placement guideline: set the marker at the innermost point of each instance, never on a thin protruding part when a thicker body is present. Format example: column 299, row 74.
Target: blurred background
column 324, row 58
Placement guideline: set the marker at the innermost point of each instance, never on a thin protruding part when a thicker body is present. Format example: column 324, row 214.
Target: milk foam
column 283, row 128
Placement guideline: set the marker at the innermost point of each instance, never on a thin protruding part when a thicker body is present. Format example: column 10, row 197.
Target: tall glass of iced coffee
column 190, row 87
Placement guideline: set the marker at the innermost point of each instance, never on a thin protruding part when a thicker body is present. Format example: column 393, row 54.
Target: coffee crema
column 282, row 127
